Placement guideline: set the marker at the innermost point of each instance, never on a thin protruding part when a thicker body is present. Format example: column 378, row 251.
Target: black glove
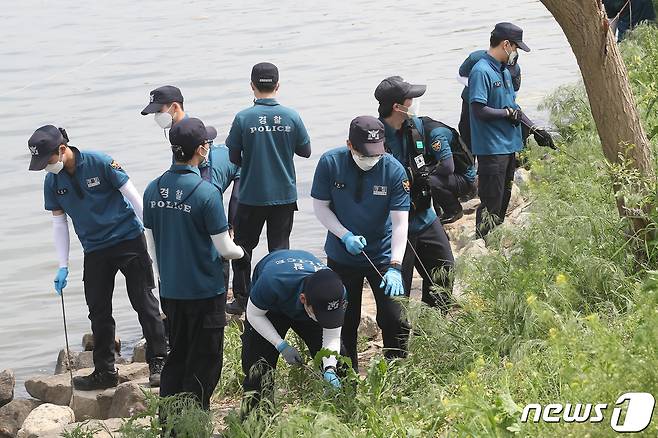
column 543, row 138
column 514, row 115
column 243, row 263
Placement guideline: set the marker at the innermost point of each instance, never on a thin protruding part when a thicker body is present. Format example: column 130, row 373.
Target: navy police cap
column 395, row 89
column 43, row 144
column 264, row 73
column 511, row 32
column 189, row 134
column 325, row 293
column 367, row 136
column 161, row 96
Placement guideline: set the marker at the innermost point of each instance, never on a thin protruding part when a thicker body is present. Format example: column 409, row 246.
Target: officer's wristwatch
column 396, row 265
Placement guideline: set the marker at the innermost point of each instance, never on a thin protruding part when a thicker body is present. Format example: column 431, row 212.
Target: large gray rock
column 368, row 327
column 13, row 414
column 139, row 351
column 57, row 389
column 7, row 383
column 522, row 177
column 46, row 418
column 101, row 428
column 88, row 343
column 87, row 404
column 129, row 399
column 79, row 360
column 477, row 248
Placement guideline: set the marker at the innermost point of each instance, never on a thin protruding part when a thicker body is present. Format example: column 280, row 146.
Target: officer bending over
column 106, row 210
column 185, row 218
column 291, row 289
column 361, row 195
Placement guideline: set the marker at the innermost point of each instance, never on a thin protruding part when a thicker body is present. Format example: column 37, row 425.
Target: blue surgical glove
column 354, row 244
column 331, row 377
column 60, row 280
column 289, row 353
column 392, row 283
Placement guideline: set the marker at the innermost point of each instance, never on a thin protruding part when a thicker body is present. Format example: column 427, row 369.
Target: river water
column 89, row 66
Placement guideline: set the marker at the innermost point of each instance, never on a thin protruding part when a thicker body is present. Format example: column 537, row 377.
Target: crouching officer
column 94, row 191
column 291, row 289
column 185, row 218
column 429, row 249
column 361, row 195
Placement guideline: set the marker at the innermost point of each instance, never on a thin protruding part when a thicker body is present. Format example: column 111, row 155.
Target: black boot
column 448, row 217
column 155, row 369
column 96, row 380
column 237, row 306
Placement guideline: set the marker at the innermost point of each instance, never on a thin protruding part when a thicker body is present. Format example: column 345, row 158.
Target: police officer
column 495, row 125
column 166, row 105
column 106, row 210
column 361, row 195
column 263, row 140
column 464, row 71
column 449, row 180
column 185, row 218
column 291, row 289
column 429, row 249
column 629, row 14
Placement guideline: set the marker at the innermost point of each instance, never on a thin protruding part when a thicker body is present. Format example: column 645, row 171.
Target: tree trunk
column 613, row 107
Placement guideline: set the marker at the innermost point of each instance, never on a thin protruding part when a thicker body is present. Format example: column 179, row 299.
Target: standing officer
column 263, row 140
column 186, row 220
column 166, row 104
column 291, row 289
column 629, row 13
column 429, row 249
column 464, row 71
column 495, row 125
column 361, row 195
column 106, row 210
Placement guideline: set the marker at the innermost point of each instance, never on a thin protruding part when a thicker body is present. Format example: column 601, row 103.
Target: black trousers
column 259, row 357
column 447, row 189
column 249, row 222
column 495, row 178
column 394, row 326
column 433, row 249
column 196, row 339
column 100, row 267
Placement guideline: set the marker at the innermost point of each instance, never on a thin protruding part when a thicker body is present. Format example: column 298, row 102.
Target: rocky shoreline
column 54, row 407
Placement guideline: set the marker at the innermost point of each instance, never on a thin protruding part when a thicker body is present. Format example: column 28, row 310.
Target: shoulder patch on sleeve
column 436, row 145
column 406, row 185
column 115, row 165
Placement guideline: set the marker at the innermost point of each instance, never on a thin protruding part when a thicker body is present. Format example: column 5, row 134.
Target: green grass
column 560, row 312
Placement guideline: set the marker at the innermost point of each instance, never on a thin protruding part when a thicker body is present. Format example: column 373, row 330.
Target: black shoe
column 237, row 306
column 96, row 380
column 448, row 218
column 155, row 369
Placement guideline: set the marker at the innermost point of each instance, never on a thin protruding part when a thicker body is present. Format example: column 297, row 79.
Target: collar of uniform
column 79, row 159
column 270, row 101
column 194, row 169
column 496, row 64
column 388, row 129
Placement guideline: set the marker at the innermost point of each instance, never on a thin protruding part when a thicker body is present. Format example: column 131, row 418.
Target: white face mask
column 205, row 157
column 55, row 167
column 511, row 56
column 164, row 120
column 412, row 111
column 365, row 163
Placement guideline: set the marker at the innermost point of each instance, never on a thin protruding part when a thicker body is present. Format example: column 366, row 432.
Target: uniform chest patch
column 62, row 191
column 339, row 185
column 379, row 190
column 93, row 182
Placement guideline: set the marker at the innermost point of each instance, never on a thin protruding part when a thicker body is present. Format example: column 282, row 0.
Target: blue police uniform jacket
column 278, row 281
column 101, row 216
column 362, row 202
column 267, row 135
column 490, row 83
column 473, row 58
column 219, row 170
column 184, row 211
